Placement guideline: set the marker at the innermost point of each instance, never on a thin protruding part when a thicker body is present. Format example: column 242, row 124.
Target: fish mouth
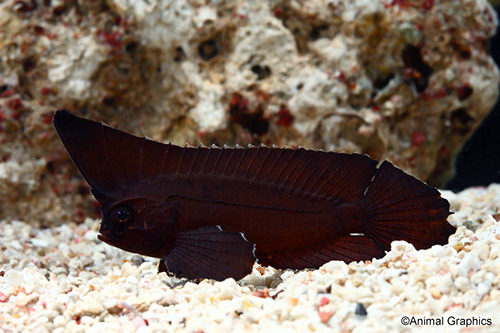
column 106, row 239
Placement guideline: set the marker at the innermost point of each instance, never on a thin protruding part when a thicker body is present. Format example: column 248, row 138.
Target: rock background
column 474, row 164
column 406, row 81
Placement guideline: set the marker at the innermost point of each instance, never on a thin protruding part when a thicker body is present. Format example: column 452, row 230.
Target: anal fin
column 346, row 248
column 209, row 253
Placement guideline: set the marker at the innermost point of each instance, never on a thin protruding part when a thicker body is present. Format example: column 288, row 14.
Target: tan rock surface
column 401, row 80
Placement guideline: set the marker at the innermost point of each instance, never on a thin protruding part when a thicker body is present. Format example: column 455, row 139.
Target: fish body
column 261, row 211
column 211, row 212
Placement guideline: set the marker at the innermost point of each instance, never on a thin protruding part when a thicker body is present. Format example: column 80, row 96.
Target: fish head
column 137, row 224
column 122, row 171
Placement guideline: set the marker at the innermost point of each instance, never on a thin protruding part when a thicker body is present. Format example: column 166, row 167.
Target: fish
column 211, row 213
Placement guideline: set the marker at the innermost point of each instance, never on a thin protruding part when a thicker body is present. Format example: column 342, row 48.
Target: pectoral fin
column 209, row 253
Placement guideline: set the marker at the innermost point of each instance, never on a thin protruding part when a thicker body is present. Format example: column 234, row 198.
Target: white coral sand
column 63, row 279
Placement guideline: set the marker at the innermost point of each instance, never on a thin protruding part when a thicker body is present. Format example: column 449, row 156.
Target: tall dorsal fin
column 108, row 158
column 105, row 156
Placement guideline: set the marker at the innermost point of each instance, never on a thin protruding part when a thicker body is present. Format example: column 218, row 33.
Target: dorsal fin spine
column 179, row 163
column 262, row 164
column 332, row 175
column 229, row 161
column 194, row 160
column 276, row 160
column 306, row 167
column 311, row 173
column 320, row 177
column 141, row 157
column 349, row 191
column 285, row 167
column 207, row 158
column 294, row 167
column 162, row 170
column 218, row 159
column 106, row 151
column 252, row 161
column 239, row 163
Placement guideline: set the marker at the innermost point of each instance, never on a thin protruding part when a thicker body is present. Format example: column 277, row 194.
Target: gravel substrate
column 63, row 279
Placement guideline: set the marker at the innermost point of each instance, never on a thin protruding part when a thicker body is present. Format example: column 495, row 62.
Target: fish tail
column 401, row 207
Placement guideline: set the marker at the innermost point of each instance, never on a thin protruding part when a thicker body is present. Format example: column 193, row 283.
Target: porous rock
column 407, row 81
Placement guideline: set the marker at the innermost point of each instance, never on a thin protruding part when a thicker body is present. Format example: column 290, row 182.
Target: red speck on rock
column 372, row 105
column 112, row 39
column 324, row 301
column 412, row 162
column 442, row 150
column 415, row 67
column 45, row 91
column 45, row 135
column 262, row 293
column 240, row 113
column 440, row 93
column 77, row 319
column 278, row 11
column 325, row 316
column 410, row 73
column 80, row 215
column 399, row 3
column 38, row 30
column 47, row 119
column 9, row 92
column 428, row 4
column 464, row 92
column 237, row 103
column 285, row 117
column 341, row 76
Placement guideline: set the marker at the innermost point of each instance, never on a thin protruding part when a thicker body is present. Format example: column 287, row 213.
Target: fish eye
column 122, row 214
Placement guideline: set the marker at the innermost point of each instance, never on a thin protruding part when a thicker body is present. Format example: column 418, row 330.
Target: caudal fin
column 405, row 208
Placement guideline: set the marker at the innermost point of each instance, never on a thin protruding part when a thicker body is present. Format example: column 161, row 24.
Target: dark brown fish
column 210, row 212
